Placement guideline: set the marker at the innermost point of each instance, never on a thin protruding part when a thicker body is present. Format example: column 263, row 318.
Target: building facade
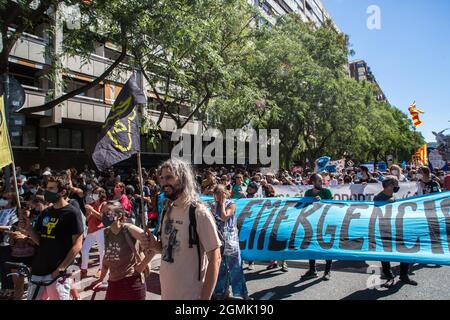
column 308, row 10
column 360, row 71
column 66, row 135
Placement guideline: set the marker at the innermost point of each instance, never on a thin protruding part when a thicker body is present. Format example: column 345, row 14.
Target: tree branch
column 158, row 97
column 204, row 100
column 82, row 89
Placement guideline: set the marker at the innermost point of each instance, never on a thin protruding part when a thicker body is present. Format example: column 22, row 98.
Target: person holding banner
column 390, row 187
column 396, row 171
column 230, row 272
column 364, row 176
column 237, row 191
column 318, row 193
column 427, row 185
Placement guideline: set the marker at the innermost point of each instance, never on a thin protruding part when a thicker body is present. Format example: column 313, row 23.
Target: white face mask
column 3, row 202
column 419, row 176
column 395, row 172
column 33, row 191
column 95, row 197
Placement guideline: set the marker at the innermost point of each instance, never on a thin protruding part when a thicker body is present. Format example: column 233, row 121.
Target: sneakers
column 407, row 280
column 311, row 274
column 271, row 266
column 284, row 267
column 327, row 276
column 251, row 266
column 388, row 276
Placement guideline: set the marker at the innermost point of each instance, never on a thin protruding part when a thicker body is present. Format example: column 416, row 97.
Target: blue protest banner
column 414, row 230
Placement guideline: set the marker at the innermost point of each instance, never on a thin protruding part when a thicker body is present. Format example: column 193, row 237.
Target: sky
column 409, row 54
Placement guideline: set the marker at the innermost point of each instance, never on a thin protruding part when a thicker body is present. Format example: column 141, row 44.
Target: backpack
column 193, row 234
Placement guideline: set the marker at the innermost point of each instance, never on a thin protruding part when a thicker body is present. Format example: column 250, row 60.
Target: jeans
column 231, row 273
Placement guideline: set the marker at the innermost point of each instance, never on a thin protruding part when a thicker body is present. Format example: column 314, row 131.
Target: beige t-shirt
column 179, row 268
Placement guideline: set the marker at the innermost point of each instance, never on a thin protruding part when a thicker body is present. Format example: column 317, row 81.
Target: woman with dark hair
column 122, row 260
column 120, row 195
column 364, row 176
column 95, row 229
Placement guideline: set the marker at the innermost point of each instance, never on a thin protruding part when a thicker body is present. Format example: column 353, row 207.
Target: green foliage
column 298, row 70
column 208, row 57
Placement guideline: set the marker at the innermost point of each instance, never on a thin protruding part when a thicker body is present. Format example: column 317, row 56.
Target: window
column 24, row 136
column 77, row 139
column 74, row 84
column 52, row 137
column 29, row 136
column 64, row 138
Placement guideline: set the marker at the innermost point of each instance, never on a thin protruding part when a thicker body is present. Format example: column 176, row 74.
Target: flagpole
column 141, row 185
column 141, row 190
column 6, row 114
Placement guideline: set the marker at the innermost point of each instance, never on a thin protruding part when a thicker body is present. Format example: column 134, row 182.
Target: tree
column 297, row 70
column 195, row 54
column 102, row 21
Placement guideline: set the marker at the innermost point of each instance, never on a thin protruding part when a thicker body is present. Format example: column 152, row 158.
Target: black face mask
column 396, row 189
column 51, row 197
column 107, row 220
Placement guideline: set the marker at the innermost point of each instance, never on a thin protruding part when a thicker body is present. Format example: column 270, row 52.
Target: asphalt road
column 350, row 281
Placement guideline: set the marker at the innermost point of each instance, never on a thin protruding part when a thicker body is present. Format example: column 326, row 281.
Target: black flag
column 120, row 133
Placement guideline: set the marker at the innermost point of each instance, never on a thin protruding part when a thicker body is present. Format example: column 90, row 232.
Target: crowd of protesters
column 65, row 213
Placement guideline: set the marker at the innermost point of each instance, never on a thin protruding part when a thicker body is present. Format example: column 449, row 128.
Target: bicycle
column 25, row 272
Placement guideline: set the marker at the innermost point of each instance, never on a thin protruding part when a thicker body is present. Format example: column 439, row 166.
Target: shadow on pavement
column 375, row 294
column 283, row 292
column 262, row 274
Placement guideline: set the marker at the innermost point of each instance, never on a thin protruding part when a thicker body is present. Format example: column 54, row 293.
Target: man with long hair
column 187, row 237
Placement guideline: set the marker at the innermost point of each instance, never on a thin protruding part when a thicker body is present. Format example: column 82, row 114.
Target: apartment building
column 360, row 71
column 308, row 10
column 66, row 135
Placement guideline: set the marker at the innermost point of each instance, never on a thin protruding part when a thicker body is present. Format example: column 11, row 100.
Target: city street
column 215, row 130
column 350, row 281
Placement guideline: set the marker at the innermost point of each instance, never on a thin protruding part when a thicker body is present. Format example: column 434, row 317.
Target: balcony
column 31, row 48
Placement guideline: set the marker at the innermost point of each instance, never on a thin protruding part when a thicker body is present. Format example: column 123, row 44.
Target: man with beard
column 187, row 237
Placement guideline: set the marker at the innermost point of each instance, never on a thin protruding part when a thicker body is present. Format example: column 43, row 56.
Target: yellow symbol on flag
column 117, row 110
column 5, row 148
column 120, row 127
column 415, row 114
